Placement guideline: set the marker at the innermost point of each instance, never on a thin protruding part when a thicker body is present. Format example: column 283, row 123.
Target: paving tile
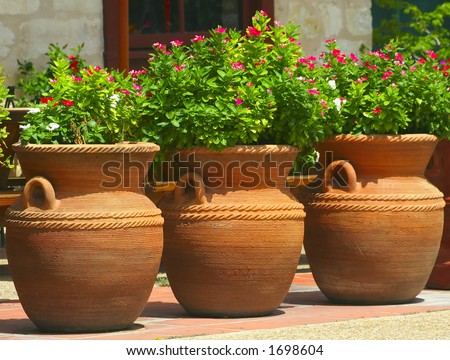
column 165, row 318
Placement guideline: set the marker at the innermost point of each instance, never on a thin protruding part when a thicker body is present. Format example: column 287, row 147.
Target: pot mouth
column 384, row 138
column 124, row 147
column 244, row 149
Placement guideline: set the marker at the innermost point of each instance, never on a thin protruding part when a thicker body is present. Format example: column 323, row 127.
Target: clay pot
column 373, row 223
column 233, row 233
column 438, row 172
column 84, row 242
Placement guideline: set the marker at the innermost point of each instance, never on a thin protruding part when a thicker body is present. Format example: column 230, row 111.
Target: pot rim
column 246, row 149
column 384, row 138
column 124, row 147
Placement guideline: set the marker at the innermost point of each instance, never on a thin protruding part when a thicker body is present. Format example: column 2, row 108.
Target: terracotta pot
column 438, row 172
column 84, row 242
column 233, row 233
column 373, row 223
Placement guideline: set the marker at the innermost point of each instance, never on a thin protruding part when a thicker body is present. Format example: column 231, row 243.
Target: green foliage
column 385, row 92
column 229, row 89
column 34, row 83
column 3, row 116
column 415, row 30
column 97, row 106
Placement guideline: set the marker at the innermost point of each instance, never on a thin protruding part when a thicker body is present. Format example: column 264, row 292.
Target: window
column 162, row 21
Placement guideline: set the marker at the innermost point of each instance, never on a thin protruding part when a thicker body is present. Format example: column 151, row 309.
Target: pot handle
column 200, row 190
column 39, row 192
column 333, row 169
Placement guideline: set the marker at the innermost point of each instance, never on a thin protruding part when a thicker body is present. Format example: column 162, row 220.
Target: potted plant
column 84, row 242
column 234, row 109
column 374, row 222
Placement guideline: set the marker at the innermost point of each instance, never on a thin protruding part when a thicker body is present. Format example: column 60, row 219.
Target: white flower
column 52, row 126
column 317, row 156
column 114, row 100
column 337, row 103
column 24, row 127
column 34, row 110
column 332, row 84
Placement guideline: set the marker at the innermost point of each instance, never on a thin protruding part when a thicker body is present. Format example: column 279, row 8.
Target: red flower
column 387, row 75
column 239, row 101
column 252, row 31
column 198, row 38
column 68, row 103
column 220, row 30
column 262, row 12
column 314, row 92
column 176, row 43
column 46, row 100
column 377, row 111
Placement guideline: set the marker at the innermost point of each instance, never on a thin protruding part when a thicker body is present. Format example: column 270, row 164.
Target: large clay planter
column 438, row 172
column 84, row 242
column 373, row 223
column 233, row 237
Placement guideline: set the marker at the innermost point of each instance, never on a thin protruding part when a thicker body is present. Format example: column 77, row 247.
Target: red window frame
column 140, row 45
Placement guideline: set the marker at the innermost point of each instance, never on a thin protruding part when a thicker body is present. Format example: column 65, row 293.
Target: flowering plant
column 232, row 88
column 383, row 92
column 33, row 82
column 4, row 93
column 90, row 105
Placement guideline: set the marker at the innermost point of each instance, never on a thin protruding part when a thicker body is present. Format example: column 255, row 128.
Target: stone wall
column 27, row 27
column 348, row 21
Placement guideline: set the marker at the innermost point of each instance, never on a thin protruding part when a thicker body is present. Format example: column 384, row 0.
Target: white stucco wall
column 27, row 27
column 348, row 21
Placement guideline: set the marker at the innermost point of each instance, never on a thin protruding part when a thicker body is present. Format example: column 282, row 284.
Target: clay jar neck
column 90, row 169
column 380, row 155
column 239, row 167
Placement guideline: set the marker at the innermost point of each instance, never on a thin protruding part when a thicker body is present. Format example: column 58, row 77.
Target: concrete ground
column 305, row 314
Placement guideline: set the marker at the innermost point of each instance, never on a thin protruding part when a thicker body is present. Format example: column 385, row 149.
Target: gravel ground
column 423, row 326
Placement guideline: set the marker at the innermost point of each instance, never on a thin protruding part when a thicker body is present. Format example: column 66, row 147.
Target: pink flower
column 220, row 30
column 362, row 79
column 198, row 38
column 330, row 40
column 313, row 91
column 431, row 54
column 179, row 67
column 76, row 79
column 323, row 103
column 239, row 101
column 176, row 43
column 97, row 68
column 336, row 52
column 125, row 91
column 262, row 12
column 353, row 57
column 137, row 87
column 269, row 91
column 387, row 75
column 111, row 79
column 159, row 46
column 398, row 56
column 250, row 84
column 377, row 111
column 238, row 66
column 252, row 31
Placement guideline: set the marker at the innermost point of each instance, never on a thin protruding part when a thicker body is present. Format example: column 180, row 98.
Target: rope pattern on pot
column 378, row 208
column 377, row 197
column 61, row 216
column 84, row 225
column 245, row 149
column 88, row 148
column 406, row 138
column 292, row 211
